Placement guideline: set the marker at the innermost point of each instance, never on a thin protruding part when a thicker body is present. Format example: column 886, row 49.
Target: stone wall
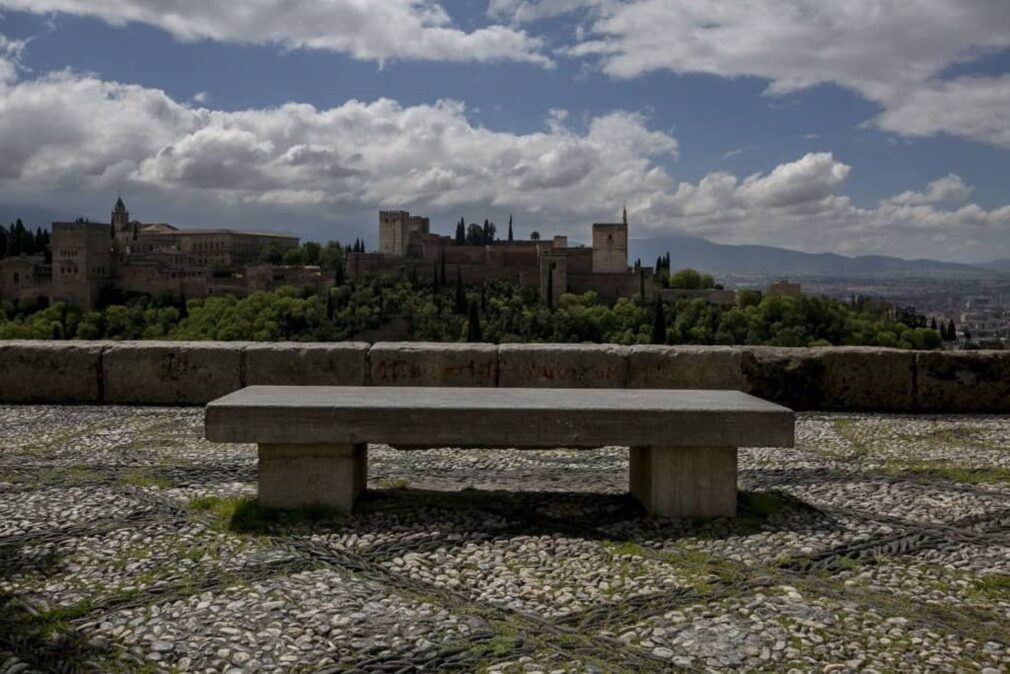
column 193, row 373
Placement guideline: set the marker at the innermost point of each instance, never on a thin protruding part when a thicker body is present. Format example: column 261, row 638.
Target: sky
column 857, row 127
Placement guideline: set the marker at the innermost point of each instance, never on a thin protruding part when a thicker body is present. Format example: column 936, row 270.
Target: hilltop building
column 408, row 248
column 785, row 287
column 94, row 262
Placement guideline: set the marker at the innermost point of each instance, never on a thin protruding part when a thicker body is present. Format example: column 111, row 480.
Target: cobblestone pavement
column 128, row 543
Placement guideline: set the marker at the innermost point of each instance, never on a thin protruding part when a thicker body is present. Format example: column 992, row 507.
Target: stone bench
column 312, row 440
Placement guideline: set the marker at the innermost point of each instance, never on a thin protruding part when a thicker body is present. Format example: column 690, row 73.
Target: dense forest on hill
column 493, row 312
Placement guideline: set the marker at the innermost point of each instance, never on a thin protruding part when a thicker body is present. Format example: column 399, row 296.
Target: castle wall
column 580, row 260
column 25, row 277
column 712, row 296
column 146, row 279
column 613, row 286
column 554, row 266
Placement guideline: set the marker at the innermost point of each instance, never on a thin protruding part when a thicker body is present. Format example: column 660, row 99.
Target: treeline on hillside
column 329, row 256
column 683, row 279
column 17, row 239
column 493, row 312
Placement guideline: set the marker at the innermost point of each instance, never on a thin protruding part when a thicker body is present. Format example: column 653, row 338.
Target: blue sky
column 878, row 127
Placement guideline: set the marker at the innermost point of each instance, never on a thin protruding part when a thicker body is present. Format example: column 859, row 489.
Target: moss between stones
column 245, row 515
column 944, row 470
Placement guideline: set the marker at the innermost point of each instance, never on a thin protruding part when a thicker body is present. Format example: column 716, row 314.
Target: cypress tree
column 550, row 287
column 659, row 324
column 441, row 274
column 460, row 307
column 329, row 304
column 641, row 283
column 473, row 333
column 510, row 227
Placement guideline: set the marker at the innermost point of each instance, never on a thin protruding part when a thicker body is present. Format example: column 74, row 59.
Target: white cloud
column 10, row 56
column 70, row 141
column 524, row 11
column 891, row 52
column 977, row 108
column 365, row 29
column 948, row 188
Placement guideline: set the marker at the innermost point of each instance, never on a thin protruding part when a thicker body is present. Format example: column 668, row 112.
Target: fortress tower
column 123, row 231
column 610, row 246
column 395, row 228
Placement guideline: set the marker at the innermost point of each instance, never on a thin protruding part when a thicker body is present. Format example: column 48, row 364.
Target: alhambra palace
column 95, row 263
column 407, row 248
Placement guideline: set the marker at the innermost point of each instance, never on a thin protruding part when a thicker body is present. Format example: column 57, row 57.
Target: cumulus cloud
column 71, row 140
column 977, row 108
column 891, row 53
column 365, row 29
column 948, row 188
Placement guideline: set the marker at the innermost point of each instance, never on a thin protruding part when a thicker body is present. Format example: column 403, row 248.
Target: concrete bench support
column 684, row 481
column 296, row 476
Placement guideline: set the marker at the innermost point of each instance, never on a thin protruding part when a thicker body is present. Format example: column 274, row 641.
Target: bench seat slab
column 299, row 476
column 684, row 481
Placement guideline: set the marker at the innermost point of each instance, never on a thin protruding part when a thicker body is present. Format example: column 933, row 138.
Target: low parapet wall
column 193, row 373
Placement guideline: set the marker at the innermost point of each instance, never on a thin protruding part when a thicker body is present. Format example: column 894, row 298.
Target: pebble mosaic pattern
column 130, row 544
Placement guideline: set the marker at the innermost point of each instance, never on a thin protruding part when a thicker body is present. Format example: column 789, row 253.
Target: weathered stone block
column 963, row 381
column 431, row 364
column 868, row 378
column 684, row 481
column 171, row 373
column 302, row 476
column 50, row 372
column 685, row 367
column 563, row 366
column 297, row 364
column 836, row 378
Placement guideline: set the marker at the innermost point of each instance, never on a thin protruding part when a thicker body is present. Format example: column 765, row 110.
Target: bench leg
column 684, row 482
column 296, row 476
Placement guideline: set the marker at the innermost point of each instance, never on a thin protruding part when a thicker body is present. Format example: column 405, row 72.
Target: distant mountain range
column 1000, row 266
column 717, row 258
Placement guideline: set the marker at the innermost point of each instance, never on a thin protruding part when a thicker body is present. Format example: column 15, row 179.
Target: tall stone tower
column 121, row 228
column 610, row 246
column 396, row 228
